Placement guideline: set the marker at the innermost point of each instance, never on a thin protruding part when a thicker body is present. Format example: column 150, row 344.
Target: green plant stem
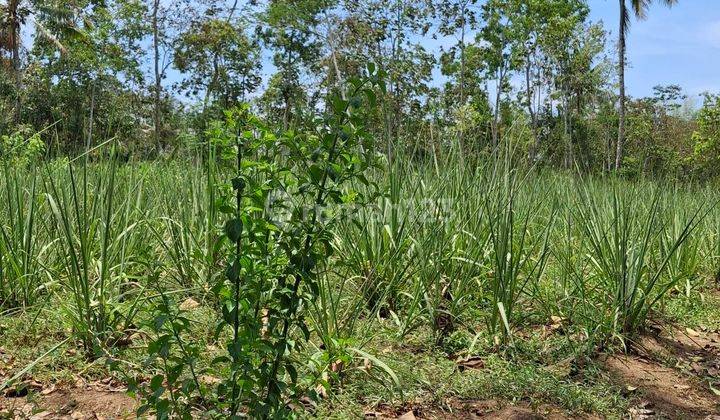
column 306, row 249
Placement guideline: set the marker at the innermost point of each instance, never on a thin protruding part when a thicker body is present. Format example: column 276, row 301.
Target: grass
column 453, row 260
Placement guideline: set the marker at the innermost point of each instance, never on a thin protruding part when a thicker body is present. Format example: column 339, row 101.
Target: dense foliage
column 153, row 74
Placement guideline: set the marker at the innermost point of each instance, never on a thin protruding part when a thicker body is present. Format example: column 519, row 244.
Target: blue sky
column 678, row 45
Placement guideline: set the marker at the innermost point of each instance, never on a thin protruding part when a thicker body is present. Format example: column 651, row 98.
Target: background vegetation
column 152, row 74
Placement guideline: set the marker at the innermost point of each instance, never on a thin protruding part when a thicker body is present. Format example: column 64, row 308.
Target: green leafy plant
column 520, row 248
column 281, row 209
column 21, row 147
column 21, row 242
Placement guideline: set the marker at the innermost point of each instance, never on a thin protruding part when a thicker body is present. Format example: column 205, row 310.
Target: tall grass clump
column 384, row 247
column 21, row 242
column 684, row 264
column 407, row 252
column 184, row 226
column 98, row 250
column 629, row 245
column 520, row 227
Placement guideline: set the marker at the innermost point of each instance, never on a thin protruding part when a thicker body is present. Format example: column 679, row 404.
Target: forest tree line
column 475, row 75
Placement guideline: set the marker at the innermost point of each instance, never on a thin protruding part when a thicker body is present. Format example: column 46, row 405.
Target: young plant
column 520, row 249
column 276, row 248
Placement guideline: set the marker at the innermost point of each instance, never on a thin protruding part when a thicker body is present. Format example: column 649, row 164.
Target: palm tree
column 13, row 16
column 640, row 8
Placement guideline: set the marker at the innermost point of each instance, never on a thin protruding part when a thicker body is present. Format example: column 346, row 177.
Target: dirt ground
column 94, row 401
column 668, row 374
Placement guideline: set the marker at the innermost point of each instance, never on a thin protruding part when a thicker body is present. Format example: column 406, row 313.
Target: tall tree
column 290, row 31
column 14, row 14
column 219, row 59
column 457, row 18
column 77, row 88
column 156, row 68
column 497, row 37
column 167, row 20
column 389, row 34
column 640, row 8
column 12, row 17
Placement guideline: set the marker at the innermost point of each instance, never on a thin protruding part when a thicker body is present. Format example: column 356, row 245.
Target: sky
column 678, row 45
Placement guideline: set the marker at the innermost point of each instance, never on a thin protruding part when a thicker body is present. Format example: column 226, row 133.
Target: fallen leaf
column 33, row 385
column 308, row 403
column 209, row 380
column 641, row 413
column 189, row 304
column 472, row 362
column 49, row 390
column 321, row 391
column 631, row 388
column 691, row 332
column 407, row 416
column 337, row 366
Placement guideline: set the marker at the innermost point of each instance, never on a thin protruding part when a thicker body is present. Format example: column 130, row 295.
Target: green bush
column 21, row 147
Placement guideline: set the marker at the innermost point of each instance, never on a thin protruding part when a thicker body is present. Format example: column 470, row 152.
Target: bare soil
column 669, row 374
column 456, row 409
column 85, row 402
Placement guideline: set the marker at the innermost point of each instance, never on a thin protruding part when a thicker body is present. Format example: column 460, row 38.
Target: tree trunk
column 608, row 151
column 158, row 76
column 286, row 110
column 621, row 71
column 496, row 113
column 88, row 141
column 462, row 56
column 535, row 148
column 14, row 25
column 569, row 158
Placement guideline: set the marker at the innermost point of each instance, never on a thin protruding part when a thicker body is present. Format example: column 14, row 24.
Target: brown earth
column 670, row 374
column 456, row 408
column 68, row 403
